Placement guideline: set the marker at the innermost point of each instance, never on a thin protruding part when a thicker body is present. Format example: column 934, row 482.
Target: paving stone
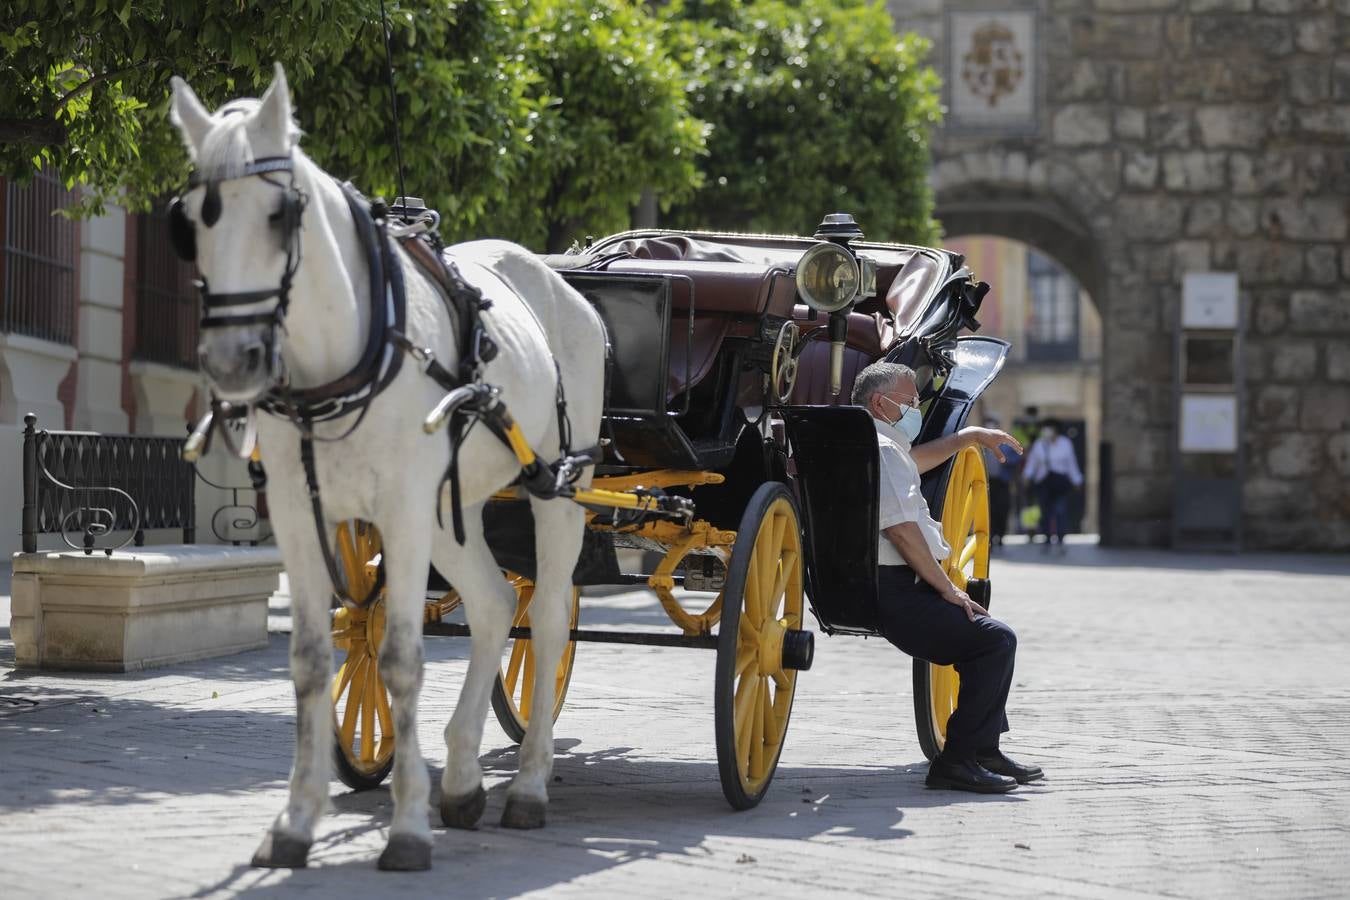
column 1188, row 709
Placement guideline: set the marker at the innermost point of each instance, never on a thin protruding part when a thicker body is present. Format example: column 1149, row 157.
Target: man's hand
column 991, row 438
column 957, row 597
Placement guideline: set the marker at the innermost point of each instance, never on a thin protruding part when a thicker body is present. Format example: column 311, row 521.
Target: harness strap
column 255, row 319
column 316, row 505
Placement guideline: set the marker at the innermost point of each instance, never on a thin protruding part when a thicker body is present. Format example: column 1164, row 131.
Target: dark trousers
column 916, row 619
column 999, row 501
column 1053, row 492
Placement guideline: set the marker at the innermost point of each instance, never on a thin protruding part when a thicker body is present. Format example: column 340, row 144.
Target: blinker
column 211, row 204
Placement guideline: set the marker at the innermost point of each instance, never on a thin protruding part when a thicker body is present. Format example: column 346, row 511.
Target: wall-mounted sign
column 991, row 68
column 1209, row 423
column 1209, row 300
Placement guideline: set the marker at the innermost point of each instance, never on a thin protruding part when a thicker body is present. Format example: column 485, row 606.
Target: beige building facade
column 97, row 333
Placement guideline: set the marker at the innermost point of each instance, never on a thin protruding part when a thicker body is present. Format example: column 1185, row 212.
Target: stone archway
column 977, row 196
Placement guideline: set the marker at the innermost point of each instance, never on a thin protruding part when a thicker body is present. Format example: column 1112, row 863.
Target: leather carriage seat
column 724, row 294
column 862, row 347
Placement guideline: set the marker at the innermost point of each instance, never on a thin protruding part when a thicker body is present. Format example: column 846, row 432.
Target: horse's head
column 240, row 221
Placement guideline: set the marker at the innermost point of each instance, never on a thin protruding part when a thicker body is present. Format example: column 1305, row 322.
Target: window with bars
column 37, row 265
column 1052, row 328
column 166, row 300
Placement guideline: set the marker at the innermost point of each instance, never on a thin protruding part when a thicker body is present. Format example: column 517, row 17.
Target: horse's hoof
column 406, row 853
column 523, row 812
column 465, row 812
column 280, row 851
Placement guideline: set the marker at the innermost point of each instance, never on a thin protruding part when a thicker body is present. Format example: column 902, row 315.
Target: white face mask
column 909, row 422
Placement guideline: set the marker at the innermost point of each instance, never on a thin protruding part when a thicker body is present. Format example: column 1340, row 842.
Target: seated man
column 922, row 612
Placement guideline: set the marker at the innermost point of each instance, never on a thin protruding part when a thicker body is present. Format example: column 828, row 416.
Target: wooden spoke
column 386, row 715
column 368, row 704
column 756, row 768
column 513, row 667
column 358, row 689
column 753, row 588
column 770, row 715
column 527, row 689
column 746, row 654
column 968, row 551
column 746, row 692
column 343, row 680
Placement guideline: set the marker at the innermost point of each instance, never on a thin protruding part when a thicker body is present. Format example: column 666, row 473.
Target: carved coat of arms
column 993, row 66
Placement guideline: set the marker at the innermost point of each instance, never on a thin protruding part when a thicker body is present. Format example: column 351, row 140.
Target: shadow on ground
column 607, row 809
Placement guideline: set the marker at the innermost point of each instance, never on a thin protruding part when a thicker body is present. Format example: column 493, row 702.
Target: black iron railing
column 37, row 297
column 95, row 487
column 239, row 521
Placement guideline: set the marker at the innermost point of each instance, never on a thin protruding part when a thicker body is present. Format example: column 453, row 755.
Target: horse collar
column 379, row 362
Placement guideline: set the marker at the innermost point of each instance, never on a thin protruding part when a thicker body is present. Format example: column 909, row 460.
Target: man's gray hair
column 876, row 378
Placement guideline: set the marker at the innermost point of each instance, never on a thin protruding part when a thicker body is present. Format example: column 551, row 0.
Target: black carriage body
column 691, row 336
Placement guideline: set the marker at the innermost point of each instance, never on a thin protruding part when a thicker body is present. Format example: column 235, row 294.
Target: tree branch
column 95, row 79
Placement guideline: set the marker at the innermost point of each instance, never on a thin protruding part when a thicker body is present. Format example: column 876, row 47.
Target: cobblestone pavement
column 1192, row 713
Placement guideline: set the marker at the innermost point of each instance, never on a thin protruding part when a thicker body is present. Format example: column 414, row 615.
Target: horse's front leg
column 407, row 543
column 287, row 844
column 489, row 606
column 558, row 536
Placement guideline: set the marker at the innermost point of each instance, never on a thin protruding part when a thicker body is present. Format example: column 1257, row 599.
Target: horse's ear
column 189, row 115
column 274, row 114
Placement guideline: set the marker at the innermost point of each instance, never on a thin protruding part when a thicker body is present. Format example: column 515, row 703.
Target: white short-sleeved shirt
column 901, row 498
column 1053, row 457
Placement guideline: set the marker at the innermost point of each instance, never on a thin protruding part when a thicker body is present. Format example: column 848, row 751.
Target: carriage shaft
column 647, row 638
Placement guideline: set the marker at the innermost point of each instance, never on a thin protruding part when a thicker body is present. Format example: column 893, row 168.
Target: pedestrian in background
column 1052, row 467
column 1001, row 474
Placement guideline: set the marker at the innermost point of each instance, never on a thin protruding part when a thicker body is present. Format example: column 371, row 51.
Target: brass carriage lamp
column 832, row 277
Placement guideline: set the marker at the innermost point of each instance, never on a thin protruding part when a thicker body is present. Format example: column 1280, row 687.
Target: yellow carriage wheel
column 762, row 606
column 362, row 719
column 965, row 525
column 513, row 691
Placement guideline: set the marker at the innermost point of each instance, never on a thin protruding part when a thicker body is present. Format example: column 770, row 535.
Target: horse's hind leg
column 489, row 606
column 407, row 552
column 287, row 844
column 558, row 528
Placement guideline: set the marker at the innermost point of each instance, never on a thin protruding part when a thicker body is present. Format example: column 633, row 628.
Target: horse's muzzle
column 242, row 376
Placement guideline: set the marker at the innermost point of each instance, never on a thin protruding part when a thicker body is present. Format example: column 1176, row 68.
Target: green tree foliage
column 614, row 121
column 816, row 106
column 537, row 120
column 84, row 83
column 469, row 104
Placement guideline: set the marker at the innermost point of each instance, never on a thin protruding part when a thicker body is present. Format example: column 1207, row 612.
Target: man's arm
column 909, row 541
column 935, row 453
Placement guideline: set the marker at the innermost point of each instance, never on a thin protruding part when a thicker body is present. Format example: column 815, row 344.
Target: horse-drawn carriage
column 710, row 369
column 731, row 450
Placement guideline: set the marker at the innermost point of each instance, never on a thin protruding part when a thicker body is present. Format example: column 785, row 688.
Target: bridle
column 219, row 310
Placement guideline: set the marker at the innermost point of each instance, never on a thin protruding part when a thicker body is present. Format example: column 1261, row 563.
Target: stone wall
column 1171, row 136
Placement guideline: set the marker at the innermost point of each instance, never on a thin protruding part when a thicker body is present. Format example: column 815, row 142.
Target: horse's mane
column 227, row 148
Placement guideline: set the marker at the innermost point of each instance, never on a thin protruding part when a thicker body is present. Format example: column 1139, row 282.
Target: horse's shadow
column 607, row 808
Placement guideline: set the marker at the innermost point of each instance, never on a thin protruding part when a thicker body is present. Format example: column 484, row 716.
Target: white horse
column 387, row 471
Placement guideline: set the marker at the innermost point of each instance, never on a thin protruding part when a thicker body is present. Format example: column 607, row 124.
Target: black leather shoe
column 967, row 775
column 999, row 764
